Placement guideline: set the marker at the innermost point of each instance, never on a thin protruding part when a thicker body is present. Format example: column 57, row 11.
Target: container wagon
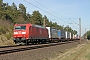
column 63, row 35
column 77, row 37
column 53, row 34
column 59, row 34
column 67, row 35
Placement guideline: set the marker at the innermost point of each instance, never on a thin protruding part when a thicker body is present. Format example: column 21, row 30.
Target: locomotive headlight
column 15, row 32
column 23, row 32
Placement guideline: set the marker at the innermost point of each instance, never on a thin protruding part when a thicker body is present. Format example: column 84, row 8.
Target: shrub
column 2, row 30
column 8, row 36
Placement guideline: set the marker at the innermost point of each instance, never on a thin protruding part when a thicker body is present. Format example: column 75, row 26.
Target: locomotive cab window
column 20, row 28
column 23, row 27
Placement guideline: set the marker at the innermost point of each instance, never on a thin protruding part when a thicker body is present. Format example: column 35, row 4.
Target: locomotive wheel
column 26, row 42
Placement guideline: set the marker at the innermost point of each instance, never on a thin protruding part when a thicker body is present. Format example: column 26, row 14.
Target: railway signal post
column 44, row 23
column 80, row 28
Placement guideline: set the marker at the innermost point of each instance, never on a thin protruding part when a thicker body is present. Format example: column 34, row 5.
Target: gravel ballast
column 39, row 54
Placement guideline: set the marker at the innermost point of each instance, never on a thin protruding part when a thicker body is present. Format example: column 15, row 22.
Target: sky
column 64, row 12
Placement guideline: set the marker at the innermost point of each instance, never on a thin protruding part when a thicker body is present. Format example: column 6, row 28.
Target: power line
column 48, row 12
column 73, row 21
column 53, row 11
column 48, row 8
column 44, row 6
column 44, row 10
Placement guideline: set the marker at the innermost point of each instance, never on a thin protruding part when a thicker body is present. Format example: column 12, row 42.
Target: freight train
column 30, row 33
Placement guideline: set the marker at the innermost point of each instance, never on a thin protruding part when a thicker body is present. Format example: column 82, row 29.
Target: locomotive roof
column 30, row 24
column 38, row 26
column 20, row 24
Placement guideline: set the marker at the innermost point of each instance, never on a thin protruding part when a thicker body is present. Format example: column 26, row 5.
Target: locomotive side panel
column 38, row 32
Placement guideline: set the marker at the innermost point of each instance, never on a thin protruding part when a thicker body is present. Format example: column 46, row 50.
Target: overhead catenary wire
column 48, row 8
column 56, row 16
column 74, row 21
column 45, row 11
column 49, row 12
column 54, row 12
column 45, row 7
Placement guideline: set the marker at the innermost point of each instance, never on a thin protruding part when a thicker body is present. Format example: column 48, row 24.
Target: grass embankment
column 81, row 52
column 6, row 30
column 5, row 42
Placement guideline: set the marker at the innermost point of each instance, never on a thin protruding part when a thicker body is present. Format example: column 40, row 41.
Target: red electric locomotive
column 27, row 33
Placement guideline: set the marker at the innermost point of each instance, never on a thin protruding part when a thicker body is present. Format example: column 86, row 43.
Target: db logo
column 19, row 32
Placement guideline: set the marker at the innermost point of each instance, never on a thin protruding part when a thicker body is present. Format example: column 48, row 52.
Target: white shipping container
column 49, row 31
column 66, row 34
column 70, row 35
column 53, row 33
column 73, row 36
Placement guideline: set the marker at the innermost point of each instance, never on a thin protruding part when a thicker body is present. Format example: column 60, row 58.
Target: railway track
column 12, row 49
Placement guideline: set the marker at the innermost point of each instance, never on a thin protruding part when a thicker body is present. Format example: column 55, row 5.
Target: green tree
column 14, row 7
column 28, row 17
column 1, row 2
column 36, row 18
column 54, row 25
column 22, row 9
column 88, row 35
column 74, row 32
column 50, row 24
column 69, row 29
column 46, row 20
column 61, row 27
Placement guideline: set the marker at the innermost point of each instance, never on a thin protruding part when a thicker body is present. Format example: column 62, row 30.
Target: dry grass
column 81, row 52
column 6, row 29
column 5, row 42
column 5, row 23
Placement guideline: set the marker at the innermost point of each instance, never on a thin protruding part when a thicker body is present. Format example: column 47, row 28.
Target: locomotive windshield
column 20, row 28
